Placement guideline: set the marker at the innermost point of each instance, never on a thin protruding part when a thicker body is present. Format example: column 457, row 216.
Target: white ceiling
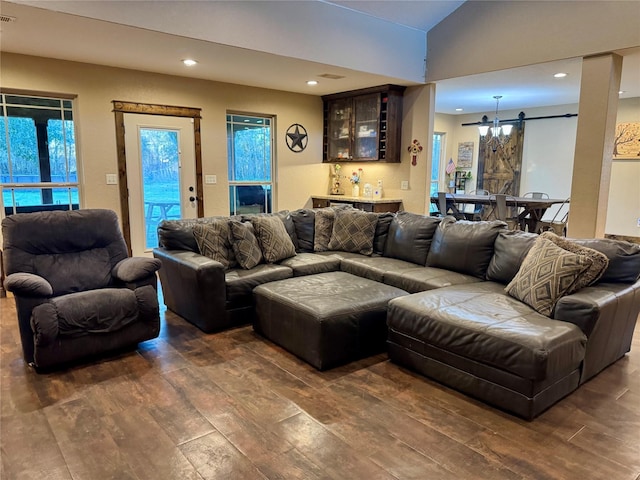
column 41, row 31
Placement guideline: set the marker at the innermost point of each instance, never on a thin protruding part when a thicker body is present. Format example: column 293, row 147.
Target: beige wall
column 298, row 175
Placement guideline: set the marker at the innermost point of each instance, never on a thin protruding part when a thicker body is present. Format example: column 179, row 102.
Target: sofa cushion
column 464, row 246
column 240, row 283
column 323, row 227
column 275, row 242
column 382, row 232
column 547, row 273
column 509, row 251
column 480, row 322
column 624, row 259
column 353, row 231
column 214, row 241
column 420, row 279
column 245, row 244
column 304, row 224
column 410, row 237
column 594, row 272
column 373, row 268
column 311, row 263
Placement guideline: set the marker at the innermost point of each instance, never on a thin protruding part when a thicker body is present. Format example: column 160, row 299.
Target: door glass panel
column 435, row 169
column 160, row 159
column 366, row 127
column 339, row 129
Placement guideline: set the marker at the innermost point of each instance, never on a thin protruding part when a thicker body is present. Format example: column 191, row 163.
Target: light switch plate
column 404, row 185
column 211, row 179
column 112, row 179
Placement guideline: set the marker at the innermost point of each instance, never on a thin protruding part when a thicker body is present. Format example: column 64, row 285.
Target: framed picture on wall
column 465, row 155
column 627, row 140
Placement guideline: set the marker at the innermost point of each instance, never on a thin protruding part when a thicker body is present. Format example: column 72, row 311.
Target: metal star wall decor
column 297, row 138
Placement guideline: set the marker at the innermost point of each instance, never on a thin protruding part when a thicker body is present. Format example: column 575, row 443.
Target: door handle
column 192, row 199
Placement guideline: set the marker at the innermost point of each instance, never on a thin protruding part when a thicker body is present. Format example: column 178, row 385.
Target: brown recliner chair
column 77, row 292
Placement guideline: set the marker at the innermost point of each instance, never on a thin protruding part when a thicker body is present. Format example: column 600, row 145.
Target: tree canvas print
column 627, row 140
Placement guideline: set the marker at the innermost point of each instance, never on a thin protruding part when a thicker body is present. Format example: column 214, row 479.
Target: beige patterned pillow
column 245, row 244
column 547, row 273
column 323, row 229
column 353, row 231
column 275, row 242
column 595, row 272
column 214, row 241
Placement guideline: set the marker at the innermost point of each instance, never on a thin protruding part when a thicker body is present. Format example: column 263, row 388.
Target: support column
column 598, row 109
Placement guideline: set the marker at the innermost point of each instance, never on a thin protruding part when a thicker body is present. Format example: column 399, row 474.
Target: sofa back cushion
column 410, row 237
column 624, row 259
column 245, row 244
column 463, row 246
column 509, row 251
column 382, row 232
column 323, row 227
column 304, row 225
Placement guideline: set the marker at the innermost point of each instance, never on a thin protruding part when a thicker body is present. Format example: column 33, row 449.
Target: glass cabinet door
column 366, row 127
column 339, row 130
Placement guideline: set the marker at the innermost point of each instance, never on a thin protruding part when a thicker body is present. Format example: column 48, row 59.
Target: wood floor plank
column 87, row 446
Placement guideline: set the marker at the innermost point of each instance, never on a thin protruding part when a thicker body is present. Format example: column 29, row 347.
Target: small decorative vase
column 355, row 190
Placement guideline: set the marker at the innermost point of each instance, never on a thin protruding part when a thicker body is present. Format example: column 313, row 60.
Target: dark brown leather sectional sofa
column 457, row 324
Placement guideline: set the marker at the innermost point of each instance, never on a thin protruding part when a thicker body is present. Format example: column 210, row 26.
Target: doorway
column 159, row 169
column 160, row 175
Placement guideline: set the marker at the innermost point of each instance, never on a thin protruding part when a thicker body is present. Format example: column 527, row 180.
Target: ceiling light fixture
column 560, row 75
column 189, row 62
column 458, row 109
column 621, row 92
column 312, row 82
column 500, row 135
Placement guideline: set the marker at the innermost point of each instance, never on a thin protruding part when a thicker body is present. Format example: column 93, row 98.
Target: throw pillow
column 275, row 242
column 353, row 231
column 323, row 229
column 214, row 241
column 548, row 272
column 600, row 260
column 245, row 244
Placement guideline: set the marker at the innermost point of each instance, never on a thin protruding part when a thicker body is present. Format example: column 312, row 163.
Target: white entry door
column 161, row 176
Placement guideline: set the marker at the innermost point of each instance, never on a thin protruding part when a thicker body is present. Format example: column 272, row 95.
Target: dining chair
column 500, row 210
column 536, row 195
column 558, row 224
column 477, row 213
column 447, row 207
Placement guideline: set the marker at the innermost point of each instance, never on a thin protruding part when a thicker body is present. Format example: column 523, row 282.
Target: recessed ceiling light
column 621, row 92
column 458, row 109
column 560, row 75
column 189, row 62
column 312, row 82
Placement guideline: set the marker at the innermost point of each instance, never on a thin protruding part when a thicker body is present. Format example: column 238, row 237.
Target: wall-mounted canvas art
column 465, row 155
column 627, row 140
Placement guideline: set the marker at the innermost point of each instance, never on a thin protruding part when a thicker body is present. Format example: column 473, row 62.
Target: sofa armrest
column 28, row 285
column 194, row 287
column 135, row 269
column 607, row 315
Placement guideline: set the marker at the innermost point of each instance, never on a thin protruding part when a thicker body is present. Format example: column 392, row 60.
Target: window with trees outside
column 250, row 158
column 38, row 167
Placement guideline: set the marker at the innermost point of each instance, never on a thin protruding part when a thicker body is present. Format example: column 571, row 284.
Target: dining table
column 530, row 210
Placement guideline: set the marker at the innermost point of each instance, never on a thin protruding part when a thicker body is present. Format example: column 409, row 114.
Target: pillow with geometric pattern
column 245, row 244
column 353, row 231
column 547, row 273
column 597, row 269
column 275, row 242
column 214, row 241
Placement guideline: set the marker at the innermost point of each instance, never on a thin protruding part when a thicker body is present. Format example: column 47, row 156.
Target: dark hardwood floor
column 234, row 406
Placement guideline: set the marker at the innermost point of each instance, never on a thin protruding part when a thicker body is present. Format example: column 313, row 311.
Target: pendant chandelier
column 500, row 134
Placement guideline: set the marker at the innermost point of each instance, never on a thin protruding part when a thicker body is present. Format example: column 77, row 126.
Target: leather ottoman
column 326, row 319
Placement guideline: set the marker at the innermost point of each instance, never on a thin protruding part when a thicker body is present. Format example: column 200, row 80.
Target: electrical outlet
column 404, row 185
column 112, row 179
column 211, row 179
